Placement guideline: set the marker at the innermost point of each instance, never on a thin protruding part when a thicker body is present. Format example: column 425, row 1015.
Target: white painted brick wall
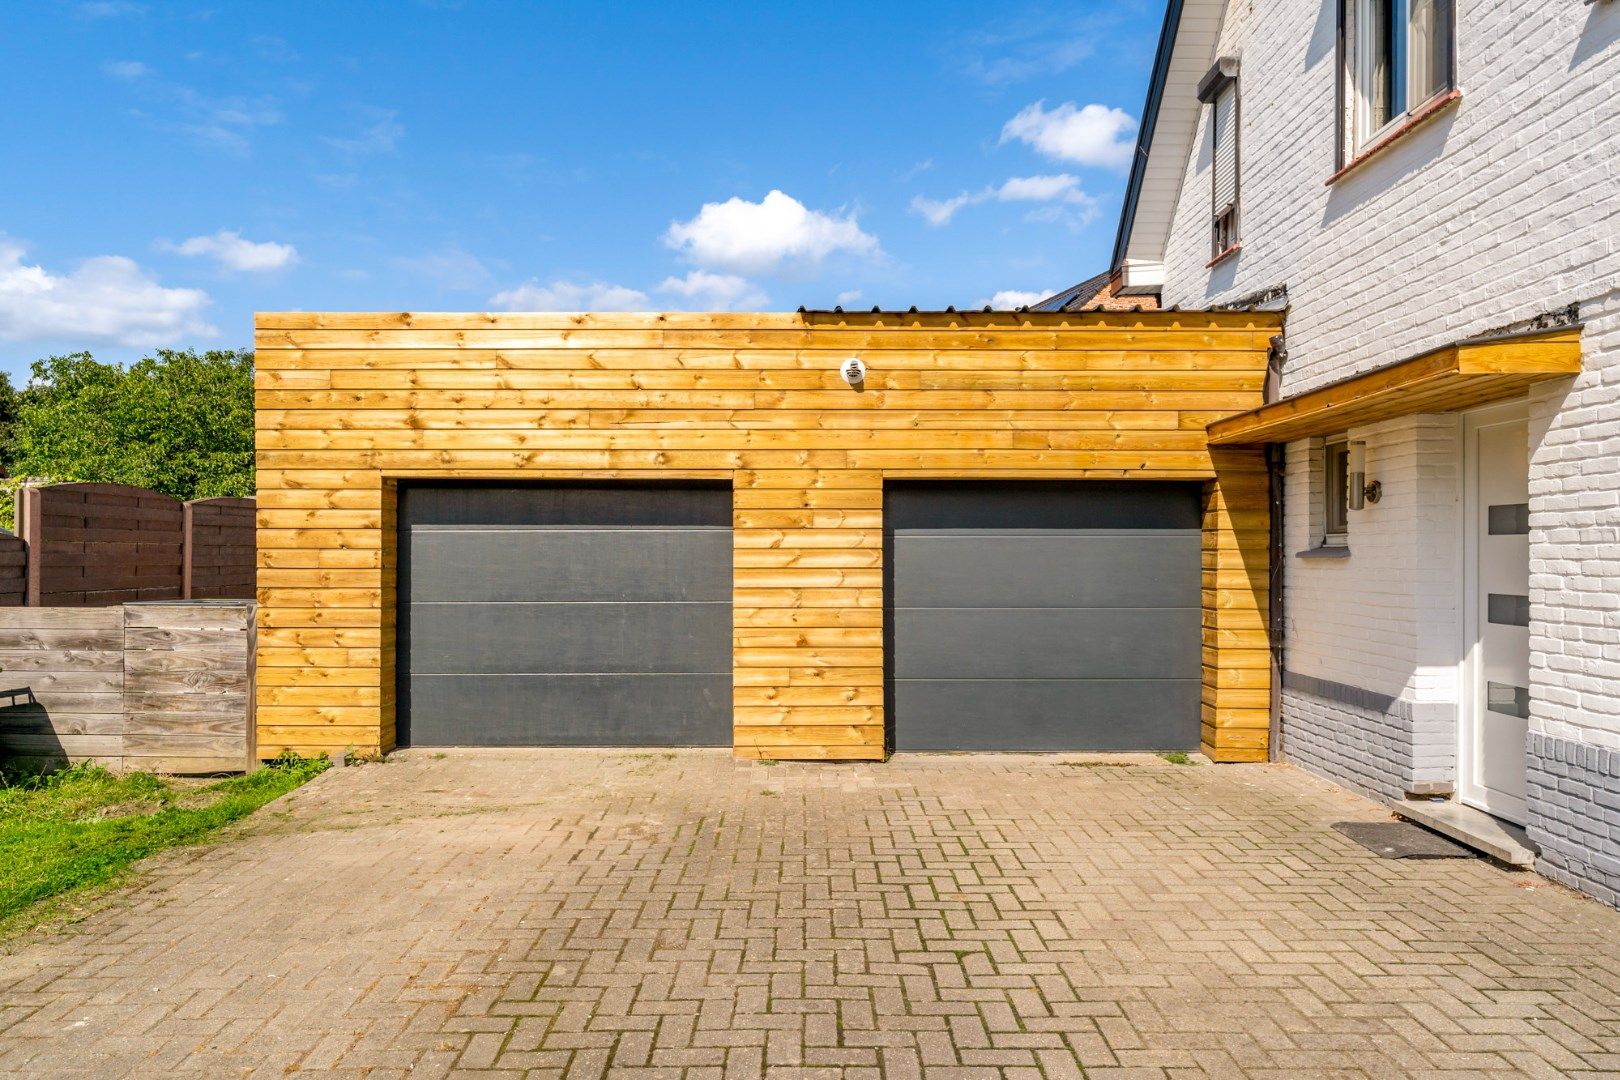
column 1384, row 619
column 1504, row 207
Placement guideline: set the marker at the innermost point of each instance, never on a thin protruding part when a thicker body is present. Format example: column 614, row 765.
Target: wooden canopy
column 1458, row 376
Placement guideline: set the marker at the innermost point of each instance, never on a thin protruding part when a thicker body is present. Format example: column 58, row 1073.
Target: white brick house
column 1408, row 176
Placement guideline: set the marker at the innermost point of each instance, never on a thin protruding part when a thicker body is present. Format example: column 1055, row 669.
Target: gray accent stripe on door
column 588, row 564
column 1054, row 714
column 566, row 615
column 1507, row 610
column 1508, row 700
column 575, row 710
column 1035, row 569
column 1046, row 643
column 470, row 639
column 1508, row 519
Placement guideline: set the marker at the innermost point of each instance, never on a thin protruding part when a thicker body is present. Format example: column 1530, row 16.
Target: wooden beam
column 1455, row 377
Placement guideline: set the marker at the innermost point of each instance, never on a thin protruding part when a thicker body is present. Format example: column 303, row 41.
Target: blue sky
column 173, row 167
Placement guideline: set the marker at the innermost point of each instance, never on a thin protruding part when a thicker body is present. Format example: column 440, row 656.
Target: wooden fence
column 92, row 545
column 166, row 687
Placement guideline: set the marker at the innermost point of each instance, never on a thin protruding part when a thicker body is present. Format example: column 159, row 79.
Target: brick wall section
column 1575, row 542
column 219, row 562
column 1575, row 814
column 1363, row 749
column 1503, row 207
column 1384, row 619
column 96, row 544
column 1384, row 752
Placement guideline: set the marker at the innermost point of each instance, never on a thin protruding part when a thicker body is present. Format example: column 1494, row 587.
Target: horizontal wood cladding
column 349, row 405
column 163, row 687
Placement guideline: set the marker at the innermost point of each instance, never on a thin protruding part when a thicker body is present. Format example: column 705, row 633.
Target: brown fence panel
column 62, row 686
column 164, row 687
column 219, row 539
column 188, row 686
column 96, row 544
column 13, row 570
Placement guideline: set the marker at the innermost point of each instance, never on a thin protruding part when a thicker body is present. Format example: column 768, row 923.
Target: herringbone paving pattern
column 591, row 913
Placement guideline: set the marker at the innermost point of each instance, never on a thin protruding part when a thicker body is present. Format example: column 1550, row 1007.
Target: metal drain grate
column 1401, row 840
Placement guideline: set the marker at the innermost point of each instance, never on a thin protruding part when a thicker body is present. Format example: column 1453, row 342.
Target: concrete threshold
column 1501, row 840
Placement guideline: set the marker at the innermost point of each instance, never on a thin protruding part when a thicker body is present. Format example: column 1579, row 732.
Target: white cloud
column 940, row 211
column 448, row 268
column 108, row 298
column 778, row 234
column 1031, row 45
column 704, row 291
column 110, row 9
column 848, row 296
column 126, row 69
column 1012, row 299
column 1061, row 188
column 234, row 253
column 381, row 136
column 224, row 123
column 570, row 296
column 1093, row 135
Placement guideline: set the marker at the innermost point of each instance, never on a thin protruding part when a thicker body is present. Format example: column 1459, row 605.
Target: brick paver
column 590, row 913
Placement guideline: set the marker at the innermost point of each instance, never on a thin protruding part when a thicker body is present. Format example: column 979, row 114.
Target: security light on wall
column 1360, row 491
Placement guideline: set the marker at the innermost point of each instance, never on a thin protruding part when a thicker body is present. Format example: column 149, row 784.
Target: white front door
column 1496, row 712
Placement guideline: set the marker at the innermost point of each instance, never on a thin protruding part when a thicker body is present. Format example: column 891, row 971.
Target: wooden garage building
column 633, row 529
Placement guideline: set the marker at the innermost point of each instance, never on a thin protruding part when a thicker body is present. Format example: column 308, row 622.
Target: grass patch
column 1177, row 757
column 81, row 827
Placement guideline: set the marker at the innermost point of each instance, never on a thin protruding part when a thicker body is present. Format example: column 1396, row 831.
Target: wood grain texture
column 349, row 405
column 1445, row 380
column 162, row 687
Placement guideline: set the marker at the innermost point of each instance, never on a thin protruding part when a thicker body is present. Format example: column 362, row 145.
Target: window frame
column 1355, row 135
column 1336, row 482
column 1226, row 228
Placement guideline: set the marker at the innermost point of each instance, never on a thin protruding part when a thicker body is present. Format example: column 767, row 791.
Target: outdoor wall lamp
column 1361, row 492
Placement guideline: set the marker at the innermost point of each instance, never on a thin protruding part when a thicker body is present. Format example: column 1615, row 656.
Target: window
column 1336, row 493
column 1395, row 57
column 1219, row 90
column 1224, row 154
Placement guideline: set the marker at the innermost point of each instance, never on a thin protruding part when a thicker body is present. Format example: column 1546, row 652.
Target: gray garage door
column 565, row 615
column 1035, row 616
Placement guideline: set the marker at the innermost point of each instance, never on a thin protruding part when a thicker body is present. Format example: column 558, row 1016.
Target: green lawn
column 81, row 827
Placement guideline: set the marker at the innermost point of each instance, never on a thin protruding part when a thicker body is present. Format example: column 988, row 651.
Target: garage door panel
column 590, row 564
column 1044, row 615
column 566, row 638
column 971, row 568
column 1046, row 643
column 565, row 614
column 574, row 710
column 1037, row 504
column 1055, row 714
column 572, row 506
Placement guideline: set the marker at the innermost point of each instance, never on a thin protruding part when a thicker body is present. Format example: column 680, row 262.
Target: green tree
column 179, row 422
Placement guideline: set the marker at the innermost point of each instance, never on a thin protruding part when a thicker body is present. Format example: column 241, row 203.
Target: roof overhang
column 1164, row 140
column 1460, row 376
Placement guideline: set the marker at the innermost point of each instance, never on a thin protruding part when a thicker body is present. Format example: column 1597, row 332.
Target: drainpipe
column 1276, row 457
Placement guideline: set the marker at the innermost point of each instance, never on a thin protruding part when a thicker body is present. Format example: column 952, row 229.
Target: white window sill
column 1325, row 551
column 1417, row 119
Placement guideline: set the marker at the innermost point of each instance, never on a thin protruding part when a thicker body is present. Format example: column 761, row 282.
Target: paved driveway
column 582, row 913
